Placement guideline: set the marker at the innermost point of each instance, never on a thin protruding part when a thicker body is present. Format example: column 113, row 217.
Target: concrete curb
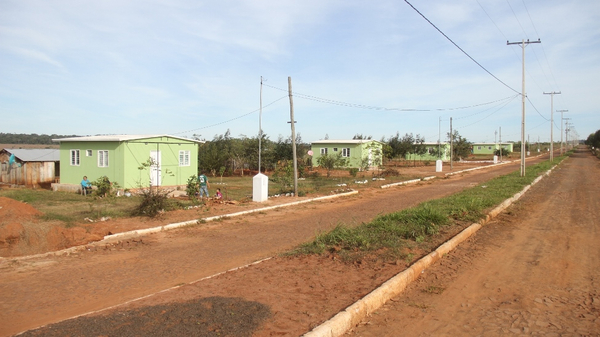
column 353, row 315
column 135, row 233
column 478, row 168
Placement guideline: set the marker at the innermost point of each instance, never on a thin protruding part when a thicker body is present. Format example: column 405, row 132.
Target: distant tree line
column 33, row 138
column 593, row 140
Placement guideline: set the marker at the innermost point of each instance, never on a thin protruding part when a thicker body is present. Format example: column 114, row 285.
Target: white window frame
column 184, row 157
column 346, row 152
column 102, row 158
column 89, row 153
column 323, row 150
column 74, row 157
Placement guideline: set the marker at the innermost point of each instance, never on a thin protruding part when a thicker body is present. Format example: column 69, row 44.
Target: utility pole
column 451, row 144
column 566, row 133
column 293, row 136
column 500, row 136
column 496, row 141
column 552, row 123
column 561, row 129
column 439, row 138
column 523, row 44
column 259, row 127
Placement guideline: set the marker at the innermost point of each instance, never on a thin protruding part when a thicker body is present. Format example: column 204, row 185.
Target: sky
column 193, row 68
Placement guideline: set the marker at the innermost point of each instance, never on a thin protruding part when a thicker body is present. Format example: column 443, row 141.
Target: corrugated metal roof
column 117, row 138
column 35, row 154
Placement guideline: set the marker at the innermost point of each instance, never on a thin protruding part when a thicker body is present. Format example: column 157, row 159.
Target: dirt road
column 534, row 270
column 46, row 290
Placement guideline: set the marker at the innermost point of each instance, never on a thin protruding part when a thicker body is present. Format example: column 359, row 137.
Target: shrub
column 154, row 202
column 105, row 187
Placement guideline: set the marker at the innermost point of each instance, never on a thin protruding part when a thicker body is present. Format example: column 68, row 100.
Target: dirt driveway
column 299, row 293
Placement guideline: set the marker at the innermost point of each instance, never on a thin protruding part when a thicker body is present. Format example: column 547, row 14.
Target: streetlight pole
column 561, row 129
column 552, row 123
column 523, row 44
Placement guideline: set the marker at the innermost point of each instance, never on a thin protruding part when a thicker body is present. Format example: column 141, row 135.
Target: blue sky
column 374, row 68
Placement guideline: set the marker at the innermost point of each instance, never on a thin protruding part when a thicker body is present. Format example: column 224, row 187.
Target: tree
column 360, row 136
column 374, row 155
column 461, row 148
column 402, row 147
column 593, row 140
column 331, row 161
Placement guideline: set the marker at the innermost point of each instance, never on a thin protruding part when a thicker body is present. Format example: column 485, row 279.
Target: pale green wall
column 124, row 160
column 357, row 151
column 489, row 148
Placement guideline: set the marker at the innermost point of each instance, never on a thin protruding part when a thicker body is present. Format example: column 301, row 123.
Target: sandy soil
column 298, row 293
column 535, row 270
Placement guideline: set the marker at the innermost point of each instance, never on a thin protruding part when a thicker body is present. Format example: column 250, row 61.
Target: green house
column 356, row 151
column 490, row 148
column 132, row 161
column 433, row 152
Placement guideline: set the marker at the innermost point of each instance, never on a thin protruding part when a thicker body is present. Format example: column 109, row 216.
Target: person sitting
column 86, row 186
column 219, row 195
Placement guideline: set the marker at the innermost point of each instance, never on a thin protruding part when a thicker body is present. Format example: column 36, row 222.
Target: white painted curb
column 218, row 217
column 353, row 315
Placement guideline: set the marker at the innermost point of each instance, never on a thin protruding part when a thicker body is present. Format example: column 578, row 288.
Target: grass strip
column 391, row 232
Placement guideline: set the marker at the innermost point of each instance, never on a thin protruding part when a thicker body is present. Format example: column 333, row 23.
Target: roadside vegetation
column 388, row 236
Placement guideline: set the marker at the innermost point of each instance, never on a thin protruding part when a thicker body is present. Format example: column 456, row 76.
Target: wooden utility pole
column 523, row 44
column 293, row 136
column 451, row 145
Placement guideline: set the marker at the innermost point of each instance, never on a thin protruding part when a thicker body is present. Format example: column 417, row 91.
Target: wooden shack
column 29, row 167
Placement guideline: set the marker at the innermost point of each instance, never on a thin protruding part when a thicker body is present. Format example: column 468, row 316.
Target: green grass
column 390, row 232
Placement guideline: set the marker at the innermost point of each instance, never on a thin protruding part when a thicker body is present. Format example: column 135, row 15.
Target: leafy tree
column 401, row 147
column 461, row 148
column 331, row 161
column 360, row 136
column 375, row 157
column 593, row 140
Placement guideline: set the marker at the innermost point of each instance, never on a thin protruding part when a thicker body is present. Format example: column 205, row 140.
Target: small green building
column 490, row 148
column 431, row 153
column 132, row 161
column 356, row 151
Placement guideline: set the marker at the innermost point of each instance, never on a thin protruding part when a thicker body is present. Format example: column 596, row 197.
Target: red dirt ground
column 299, row 293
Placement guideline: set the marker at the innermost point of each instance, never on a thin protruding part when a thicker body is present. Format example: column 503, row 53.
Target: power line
column 370, row 107
column 459, row 48
column 230, row 120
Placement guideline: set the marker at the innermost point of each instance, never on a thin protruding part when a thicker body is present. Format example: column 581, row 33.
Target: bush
column 192, row 188
column 105, row 187
column 353, row 171
column 154, row 202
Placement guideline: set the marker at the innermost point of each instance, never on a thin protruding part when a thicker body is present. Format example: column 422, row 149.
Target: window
column 346, row 152
column 323, row 150
column 335, row 149
column 489, row 147
column 74, row 157
column 184, row 158
column 88, row 153
column 479, row 148
column 103, row 158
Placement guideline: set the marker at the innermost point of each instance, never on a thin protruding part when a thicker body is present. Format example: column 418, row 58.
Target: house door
column 155, row 172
